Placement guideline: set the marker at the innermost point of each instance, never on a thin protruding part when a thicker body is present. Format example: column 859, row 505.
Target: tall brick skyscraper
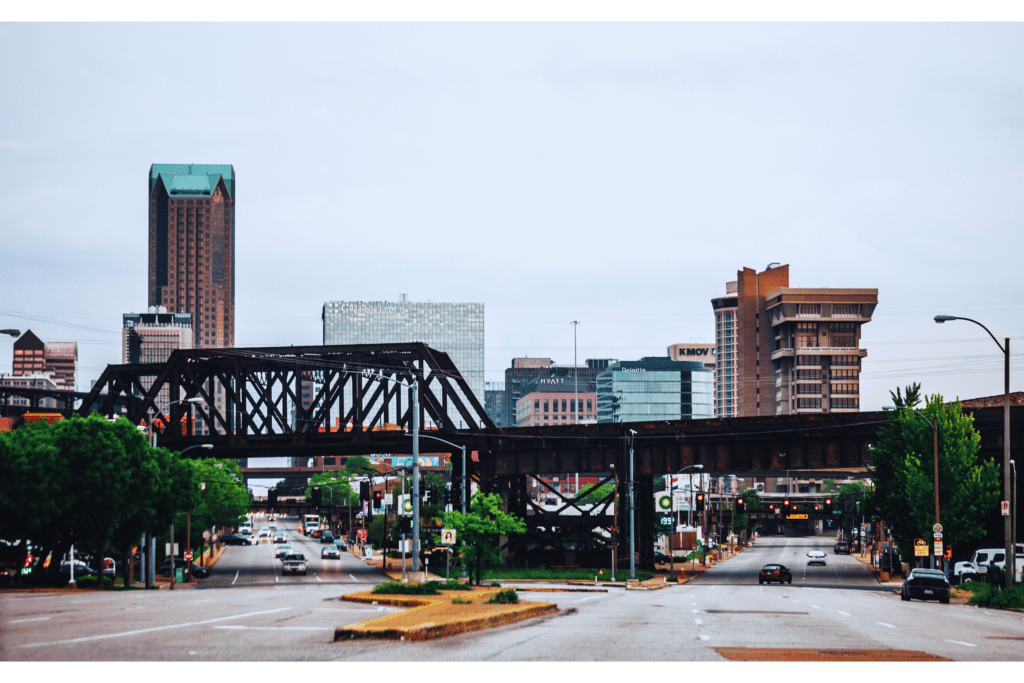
column 192, row 247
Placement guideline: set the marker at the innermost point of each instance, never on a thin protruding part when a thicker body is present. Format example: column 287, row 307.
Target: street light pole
column 575, row 374
column 672, row 496
column 1007, row 526
column 632, row 512
column 465, row 480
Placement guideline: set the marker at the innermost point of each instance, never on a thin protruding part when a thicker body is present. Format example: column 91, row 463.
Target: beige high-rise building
column 782, row 351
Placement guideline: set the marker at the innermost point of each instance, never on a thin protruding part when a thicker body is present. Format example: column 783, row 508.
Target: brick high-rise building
column 776, row 347
column 192, row 247
column 56, row 360
column 192, row 251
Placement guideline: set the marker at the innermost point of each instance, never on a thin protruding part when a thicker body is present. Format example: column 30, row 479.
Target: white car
column 816, row 557
column 265, row 532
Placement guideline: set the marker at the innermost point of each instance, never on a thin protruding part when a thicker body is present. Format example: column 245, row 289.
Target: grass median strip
column 437, row 616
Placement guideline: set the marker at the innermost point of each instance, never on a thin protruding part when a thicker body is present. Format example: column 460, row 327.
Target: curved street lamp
column 1008, row 525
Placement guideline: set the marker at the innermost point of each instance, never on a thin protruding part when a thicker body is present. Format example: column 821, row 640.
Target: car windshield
column 771, row 566
column 295, row 556
column 928, row 572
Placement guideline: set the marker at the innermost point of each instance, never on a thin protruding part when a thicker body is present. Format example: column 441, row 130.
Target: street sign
column 188, row 556
column 937, row 529
column 920, row 547
column 1004, row 506
column 448, row 536
column 796, row 516
column 666, row 521
column 938, row 546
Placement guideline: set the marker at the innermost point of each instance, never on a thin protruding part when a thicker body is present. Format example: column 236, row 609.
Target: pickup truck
column 294, row 563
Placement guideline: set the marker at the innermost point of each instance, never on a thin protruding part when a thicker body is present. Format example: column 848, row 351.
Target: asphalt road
column 248, row 566
column 293, row 619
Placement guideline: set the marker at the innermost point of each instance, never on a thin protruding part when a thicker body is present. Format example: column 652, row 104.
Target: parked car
column 180, row 562
column 661, row 558
column 327, row 537
column 81, row 569
column 816, row 557
column 774, row 572
column 330, row 552
column 294, row 563
column 842, row 547
column 235, row 539
column 282, row 551
column 926, row 584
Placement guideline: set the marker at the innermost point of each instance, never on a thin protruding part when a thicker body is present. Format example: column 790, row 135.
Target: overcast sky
column 618, row 174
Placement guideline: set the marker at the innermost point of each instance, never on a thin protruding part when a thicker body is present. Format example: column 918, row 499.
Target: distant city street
column 263, row 617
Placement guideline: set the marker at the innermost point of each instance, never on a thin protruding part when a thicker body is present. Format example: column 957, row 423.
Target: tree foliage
column 335, row 487
column 480, row 530
column 593, row 494
column 903, row 473
column 743, row 522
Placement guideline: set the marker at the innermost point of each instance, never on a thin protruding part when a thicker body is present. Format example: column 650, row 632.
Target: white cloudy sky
column 613, row 173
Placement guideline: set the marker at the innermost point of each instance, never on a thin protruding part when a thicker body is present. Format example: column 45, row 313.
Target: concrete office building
column 152, row 337
column 455, row 328
column 494, row 403
column 773, row 348
column 34, row 381
column 653, row 389
column 525, row 372
column 552, row 401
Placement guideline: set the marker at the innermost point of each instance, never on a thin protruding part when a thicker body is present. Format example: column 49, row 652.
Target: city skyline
column 615, row 175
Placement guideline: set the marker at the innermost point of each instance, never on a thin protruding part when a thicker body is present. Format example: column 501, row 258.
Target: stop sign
column 188, row 555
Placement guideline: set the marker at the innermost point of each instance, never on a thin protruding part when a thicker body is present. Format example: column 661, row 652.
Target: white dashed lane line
column 845, row 614
column 882, row 623
column 698, row 621
column 22, row 621
column 960, row 642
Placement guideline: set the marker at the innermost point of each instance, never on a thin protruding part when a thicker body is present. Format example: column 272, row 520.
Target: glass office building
column 456, row 329
column 653, row 389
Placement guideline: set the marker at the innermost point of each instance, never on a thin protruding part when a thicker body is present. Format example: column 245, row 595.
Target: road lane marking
column 592, row 597
column 844, row 613
column 275, row 628
column 705, row 638
column 960, row 642
column 318, row 578
column 882, row 623
column 815, row 607
column 698, row 621
column 713, row 588
column 155, row 628
column 236, row 577
column 353, row 578
column 695, row 611
column 21, row 621
column 206, row 600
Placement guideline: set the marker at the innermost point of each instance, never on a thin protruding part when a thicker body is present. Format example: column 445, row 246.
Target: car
column 197, row 571
column 81, row 569
column 327, row 537
column 330, row 552
column 774, row 572
column 294, row 563
column 245, row 529
column 273, row 528
column 235, row 539
column 339, row 543
column 265, row 532
column 281, row 551
column 816, row 557
column 661, row 558
column 925, row 584
column 842, row 547
column 281, row 537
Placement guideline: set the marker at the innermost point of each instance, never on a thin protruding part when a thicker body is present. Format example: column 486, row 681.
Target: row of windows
column 571, row 403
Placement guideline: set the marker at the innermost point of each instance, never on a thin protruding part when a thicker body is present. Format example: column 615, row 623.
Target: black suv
column 327, row 537
column 842, row 547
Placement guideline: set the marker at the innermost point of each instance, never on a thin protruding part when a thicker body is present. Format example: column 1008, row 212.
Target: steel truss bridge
column 253, row 407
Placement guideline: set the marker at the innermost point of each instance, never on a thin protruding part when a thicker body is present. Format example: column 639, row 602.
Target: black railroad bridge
column 358, row 401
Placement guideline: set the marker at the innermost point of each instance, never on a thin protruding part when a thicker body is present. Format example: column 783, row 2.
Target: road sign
column 448, row 536
column 938, row 546
column 666, row 522
column 920, row 547
column 937, row 528
column 796, row 516
column 188, row 556
column 1004, row 506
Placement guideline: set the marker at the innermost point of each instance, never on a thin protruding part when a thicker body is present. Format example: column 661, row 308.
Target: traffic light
column 272, row 498
column 614, row 533
column 364, row 491
column 785, row 505
column 700, row 502
column 378, row 499
column 817, row 508
column 828, row 505
column 741, row 507
column 317, row 496
column 405, row 524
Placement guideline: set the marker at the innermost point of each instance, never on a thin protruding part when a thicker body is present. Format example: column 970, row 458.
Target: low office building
column 652, row 389
column 553, row 401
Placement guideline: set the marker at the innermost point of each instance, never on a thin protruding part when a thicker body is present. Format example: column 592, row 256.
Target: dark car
column 842, row 547
column 197, row 571
column 926, row 584
column 661, row 558
column 774, row 572
column 327, row 537
column 235, row 539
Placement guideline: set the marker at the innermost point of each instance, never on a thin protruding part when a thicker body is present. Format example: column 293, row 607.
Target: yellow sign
column 938, row 547
column 920, row 547
column 796, row 517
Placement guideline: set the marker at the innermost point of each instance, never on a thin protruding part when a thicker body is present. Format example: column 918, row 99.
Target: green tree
column 903, row 469
column 480, row 530
column 359, row 465
column 223, row 500
column 743, row 522
column 593, row 494
column 334, row 486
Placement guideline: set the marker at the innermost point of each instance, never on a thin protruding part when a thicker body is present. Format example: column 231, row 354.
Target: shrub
column 495, row 584
column 990, row 596
column 397, row 588
column 460, row 601
column 505, row 597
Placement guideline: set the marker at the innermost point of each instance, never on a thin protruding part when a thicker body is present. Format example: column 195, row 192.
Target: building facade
column 652, row 389
column 553, row 401
column 525, row 372
column 151, row 338
column 455, row 328
column 192, row 247
column 764, row 332
column 494, row 403
column 56, row 360
column 31, row 381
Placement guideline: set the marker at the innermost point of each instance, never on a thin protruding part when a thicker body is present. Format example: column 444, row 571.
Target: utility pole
column 632, row 513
